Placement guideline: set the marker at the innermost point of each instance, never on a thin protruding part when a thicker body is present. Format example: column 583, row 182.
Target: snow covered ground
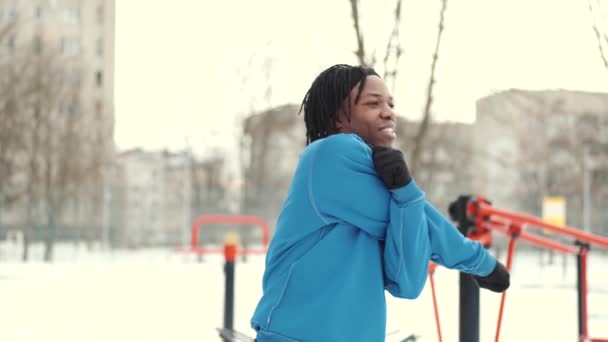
column 159, row 295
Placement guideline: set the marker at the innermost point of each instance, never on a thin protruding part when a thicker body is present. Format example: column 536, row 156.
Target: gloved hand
column 497, row 280
column 390, row 167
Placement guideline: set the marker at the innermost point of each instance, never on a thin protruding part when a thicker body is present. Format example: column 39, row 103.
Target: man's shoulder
column 347, row 144
column 338, row 149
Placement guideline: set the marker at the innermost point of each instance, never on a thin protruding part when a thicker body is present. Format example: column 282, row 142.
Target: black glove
column 458, row 213
column 390, row 167
column 497, row 281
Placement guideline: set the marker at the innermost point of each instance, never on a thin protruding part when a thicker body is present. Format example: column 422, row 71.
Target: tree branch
column 393, row 45
column 598, row 35
column 360, row 53
column 426, row 119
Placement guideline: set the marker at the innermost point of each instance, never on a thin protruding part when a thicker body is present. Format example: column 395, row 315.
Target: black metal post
column 469, row 291
column 229, row 296
column 469, row 309
column 580, row 286
column 230, row 257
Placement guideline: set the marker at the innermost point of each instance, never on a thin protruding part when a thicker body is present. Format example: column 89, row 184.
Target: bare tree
column 11, row 128
column 418, row 142
column 52, row 148
column 55, row 145
column 15, row 90
column 51, row 152
column 600, row 29
column 393, row 49
column 394, row 52
column 360, row 53
column 209, row 192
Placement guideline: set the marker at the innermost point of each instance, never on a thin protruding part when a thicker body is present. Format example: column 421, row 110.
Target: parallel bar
column 218, row 250
column 487, row 218
column 532, row 238
column 487, row 210
column 504, row 294
column 234, row 219
column 431, row 271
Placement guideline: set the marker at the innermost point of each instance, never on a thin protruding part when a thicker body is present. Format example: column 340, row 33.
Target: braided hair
column 326, row 95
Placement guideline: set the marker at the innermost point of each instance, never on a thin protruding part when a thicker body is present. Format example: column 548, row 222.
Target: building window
column 12, row 13
column 99, row 46
column 71, row 15
column 11, row 42
column 98, row 109
column 71, row 109
column 72, row 77
column 70, row 46
column 99, row 78
column 100, row 14
column 38, row 12
column 37, row 45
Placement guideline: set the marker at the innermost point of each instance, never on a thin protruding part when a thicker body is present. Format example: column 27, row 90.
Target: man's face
column 372, row 117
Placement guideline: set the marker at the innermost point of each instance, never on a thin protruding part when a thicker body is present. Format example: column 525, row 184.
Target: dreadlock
column 326, row 95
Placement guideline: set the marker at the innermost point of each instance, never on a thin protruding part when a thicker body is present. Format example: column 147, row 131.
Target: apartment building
column 70, row 44
column 534, row 144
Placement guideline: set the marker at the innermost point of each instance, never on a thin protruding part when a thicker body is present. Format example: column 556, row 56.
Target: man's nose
column 388, row 113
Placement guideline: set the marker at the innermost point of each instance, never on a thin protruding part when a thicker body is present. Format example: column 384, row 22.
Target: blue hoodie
column 342, row 239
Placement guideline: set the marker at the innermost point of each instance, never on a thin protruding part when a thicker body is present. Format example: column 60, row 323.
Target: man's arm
column 452, row 250
column 425, row 234
column 344, row 188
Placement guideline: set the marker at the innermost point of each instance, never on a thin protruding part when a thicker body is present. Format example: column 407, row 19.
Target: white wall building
column 150, row 196
column 532, row 144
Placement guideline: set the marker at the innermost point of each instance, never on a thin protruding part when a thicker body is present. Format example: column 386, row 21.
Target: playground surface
column 160, row 295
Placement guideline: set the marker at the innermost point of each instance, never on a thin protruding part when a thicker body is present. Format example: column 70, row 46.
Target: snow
column 160, row 295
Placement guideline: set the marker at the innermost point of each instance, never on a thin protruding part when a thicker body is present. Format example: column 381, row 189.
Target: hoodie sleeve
column 418, row 233
column 344, row 187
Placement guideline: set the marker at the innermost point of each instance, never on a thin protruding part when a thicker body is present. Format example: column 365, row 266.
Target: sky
column 188, row 71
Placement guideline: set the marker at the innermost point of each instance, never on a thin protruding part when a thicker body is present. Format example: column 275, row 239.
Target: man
column 355, row 223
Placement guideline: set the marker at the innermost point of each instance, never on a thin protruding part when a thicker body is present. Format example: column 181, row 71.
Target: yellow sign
column 554, row 210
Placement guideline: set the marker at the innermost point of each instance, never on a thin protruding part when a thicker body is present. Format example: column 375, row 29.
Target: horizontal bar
column 229, row 219
column 486, row 210
column 533, row 239
column 220, row 250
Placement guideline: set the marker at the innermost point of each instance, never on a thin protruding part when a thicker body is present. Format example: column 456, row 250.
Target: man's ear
column 341, row 120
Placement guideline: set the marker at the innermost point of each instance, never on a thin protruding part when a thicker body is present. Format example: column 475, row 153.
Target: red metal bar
column 488, row 218
column 432, row 267
column 485, row 210
column 230, row 251
column 504, row 294
column 532, row 238
column 484, row 236
column 235, row 219
column 219, row 250
column 497, row 226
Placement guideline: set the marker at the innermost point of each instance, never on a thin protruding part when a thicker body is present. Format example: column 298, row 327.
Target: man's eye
column 392, row 105
column 375, row 103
